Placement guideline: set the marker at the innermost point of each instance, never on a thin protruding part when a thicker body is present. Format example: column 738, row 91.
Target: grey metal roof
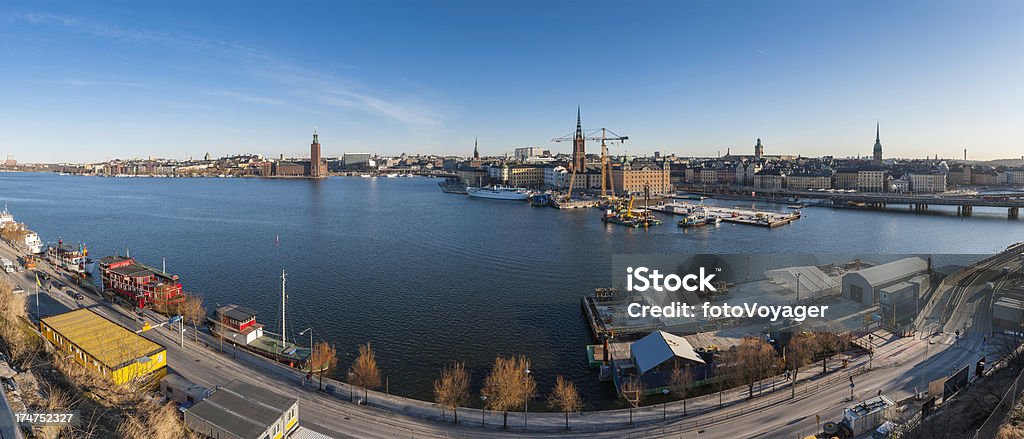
column 237, row 312
column 242, row 409
column 660, row 346
column 885, row 273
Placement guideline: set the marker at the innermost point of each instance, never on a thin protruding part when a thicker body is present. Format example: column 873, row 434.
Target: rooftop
column 108, row 342
column 885, row 273
column 242, row 409
column 660, row 346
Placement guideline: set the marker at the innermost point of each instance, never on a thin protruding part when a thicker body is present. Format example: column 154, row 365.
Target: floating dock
column 735, row 215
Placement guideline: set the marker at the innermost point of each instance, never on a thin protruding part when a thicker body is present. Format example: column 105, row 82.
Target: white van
column 8, row 265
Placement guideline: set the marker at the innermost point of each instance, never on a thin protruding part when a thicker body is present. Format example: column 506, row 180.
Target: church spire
column 476, row 150
column 878, row 139
column 877, row 152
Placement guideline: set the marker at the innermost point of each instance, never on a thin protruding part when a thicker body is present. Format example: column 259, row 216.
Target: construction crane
column 605, row 136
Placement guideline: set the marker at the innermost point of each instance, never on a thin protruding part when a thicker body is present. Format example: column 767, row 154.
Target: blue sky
column 86, row 82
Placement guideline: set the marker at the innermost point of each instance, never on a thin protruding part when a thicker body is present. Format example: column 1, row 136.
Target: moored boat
column 70, row 258
column 499, row 193
column 139, row 284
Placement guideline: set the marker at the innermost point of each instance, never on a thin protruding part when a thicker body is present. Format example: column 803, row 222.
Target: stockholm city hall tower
column 316, row 161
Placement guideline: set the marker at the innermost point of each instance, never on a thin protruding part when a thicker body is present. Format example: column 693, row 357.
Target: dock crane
column 606, row 165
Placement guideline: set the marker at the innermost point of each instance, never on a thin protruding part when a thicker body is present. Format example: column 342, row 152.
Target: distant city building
column 809, row 181
column 526, row 176
column 556, row 177
column 351, row 160
column 769, row 179
column 527, row 152
column 923, row 182
column 636, row 176
column 871, row 179
column 758, row 149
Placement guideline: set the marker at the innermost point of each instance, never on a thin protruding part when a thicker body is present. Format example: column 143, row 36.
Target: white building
column 927, row 181
column 527, row 152
column 556, row 177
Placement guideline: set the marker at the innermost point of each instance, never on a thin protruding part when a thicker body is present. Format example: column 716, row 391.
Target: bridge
column 919, row 202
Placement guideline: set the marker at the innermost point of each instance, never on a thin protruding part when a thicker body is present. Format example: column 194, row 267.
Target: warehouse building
column 108, row 348
column 865, row 286
column 243, row 411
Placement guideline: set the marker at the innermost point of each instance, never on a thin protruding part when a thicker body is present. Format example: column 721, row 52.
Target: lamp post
column 664, row 405
column 798, row 287
column 310, row 329
column 483, row 410
column 234, row 346
column 526, row 403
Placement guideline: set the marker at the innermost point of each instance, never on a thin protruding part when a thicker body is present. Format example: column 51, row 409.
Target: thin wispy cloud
column 244, row 97
column 92, row 83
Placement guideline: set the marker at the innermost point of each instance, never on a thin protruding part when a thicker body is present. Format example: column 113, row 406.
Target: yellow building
column 102, row 345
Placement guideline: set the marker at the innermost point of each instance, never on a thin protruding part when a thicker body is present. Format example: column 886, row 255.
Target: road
column 900, row 367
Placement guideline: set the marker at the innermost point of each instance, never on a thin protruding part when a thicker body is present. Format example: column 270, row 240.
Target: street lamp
column 526, row 403
column 483, row 409
column 664, row 405
column 310, row 329
column 234, row 345
column 798, row 287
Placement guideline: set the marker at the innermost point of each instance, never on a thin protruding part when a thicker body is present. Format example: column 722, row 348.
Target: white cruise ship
column 499, row 193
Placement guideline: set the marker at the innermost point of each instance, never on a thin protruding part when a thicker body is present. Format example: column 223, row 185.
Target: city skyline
column 689, row 79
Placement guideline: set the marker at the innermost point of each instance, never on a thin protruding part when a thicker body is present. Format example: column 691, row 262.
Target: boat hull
column 498, row 194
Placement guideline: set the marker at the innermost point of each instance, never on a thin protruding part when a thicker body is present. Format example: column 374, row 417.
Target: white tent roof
column 885, row 273
column 660, row 346
column 812, row 279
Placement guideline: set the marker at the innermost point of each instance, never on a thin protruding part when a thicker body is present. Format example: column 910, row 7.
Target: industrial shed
column 105, row 346
column 865, row 286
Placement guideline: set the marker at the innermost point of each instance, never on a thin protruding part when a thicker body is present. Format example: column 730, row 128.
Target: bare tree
column 753, row 360
column 509, row 385
column 192, row 311
column 679, row 382
column 364, row 372
column 632, row 390
column 321, row 359
column 452, row 389
column 565, row 398
column 799, row 352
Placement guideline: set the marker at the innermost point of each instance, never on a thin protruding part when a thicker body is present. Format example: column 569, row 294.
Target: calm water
column 426, row 276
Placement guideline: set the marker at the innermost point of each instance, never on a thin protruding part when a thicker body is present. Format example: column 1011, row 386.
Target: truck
column 8, row 265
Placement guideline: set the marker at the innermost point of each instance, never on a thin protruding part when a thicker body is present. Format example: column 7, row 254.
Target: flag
column 38, row 284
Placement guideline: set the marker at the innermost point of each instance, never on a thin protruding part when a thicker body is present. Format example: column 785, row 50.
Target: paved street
column 899, row 368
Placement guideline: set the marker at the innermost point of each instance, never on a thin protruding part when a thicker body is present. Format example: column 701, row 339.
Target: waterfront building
column 769, row 179
column 899, row 185
column 473, row 176
column 290, row 169
column 244, row 411
column 556, row 177
column 984, row 176
column 498, row 173
column 636, row 176
column 317, row 167
column 526, row 176
column 865, row 286
column 809, row 181
column 746, row 171
column 877, row 151
column 1015, row 177
column 927, row 182
column 871, row 178
column 658, row 353
column 708, row 176
column 105, row 347
column 845, row 178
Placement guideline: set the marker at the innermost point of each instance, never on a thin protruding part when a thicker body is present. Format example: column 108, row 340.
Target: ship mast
column 283, row 298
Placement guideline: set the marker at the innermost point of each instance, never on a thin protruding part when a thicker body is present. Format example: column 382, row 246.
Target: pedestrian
column 309, row 376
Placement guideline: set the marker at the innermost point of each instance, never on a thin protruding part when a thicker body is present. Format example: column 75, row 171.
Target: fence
column 1002, row 410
